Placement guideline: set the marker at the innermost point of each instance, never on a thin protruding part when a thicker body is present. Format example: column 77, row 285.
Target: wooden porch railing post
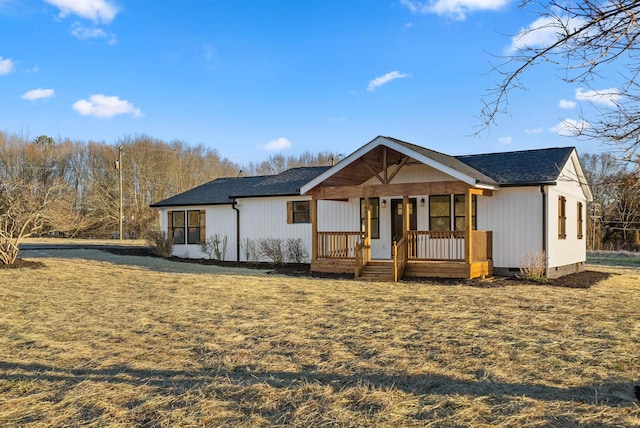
column 314, row 228
column 468, row 220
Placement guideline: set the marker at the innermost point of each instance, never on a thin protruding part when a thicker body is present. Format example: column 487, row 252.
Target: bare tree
column 23, row 213
column 589, row 38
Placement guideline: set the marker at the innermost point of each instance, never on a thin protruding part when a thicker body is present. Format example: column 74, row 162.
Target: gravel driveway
column 151, row 263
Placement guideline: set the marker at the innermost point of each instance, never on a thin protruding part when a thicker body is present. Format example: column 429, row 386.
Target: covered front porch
column 464, row 254
column 392, row 209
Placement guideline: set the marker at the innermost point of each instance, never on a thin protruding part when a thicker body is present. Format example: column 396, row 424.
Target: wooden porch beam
column 481, row 192
column 400, row 165
column 379, row 190
column 384, row 165
column 372, row 171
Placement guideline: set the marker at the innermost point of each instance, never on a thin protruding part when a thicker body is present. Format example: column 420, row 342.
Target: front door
column 396, row 218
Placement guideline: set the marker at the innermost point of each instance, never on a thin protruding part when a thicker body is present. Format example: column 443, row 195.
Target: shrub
column 272, row 249
column 215, row 247
column 296, row 251
column 249, row 250
column 533, row 267
column 159, row 242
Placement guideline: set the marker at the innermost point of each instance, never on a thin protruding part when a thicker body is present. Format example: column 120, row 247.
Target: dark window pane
column 178, row 218
column 301, row 212
column 440, row 223
column 178, row 235
column 375, row 216
column 194, row 218
column 194, row 235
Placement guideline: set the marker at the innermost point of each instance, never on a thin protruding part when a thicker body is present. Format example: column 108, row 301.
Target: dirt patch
column 23, row 264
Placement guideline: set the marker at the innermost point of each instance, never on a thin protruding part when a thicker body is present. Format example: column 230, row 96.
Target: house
column 393, row 209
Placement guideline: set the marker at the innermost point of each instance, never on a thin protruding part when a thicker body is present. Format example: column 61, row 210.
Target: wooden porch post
column 468, row 225
column 367, row 229
column 406, row 218
column 314, row 228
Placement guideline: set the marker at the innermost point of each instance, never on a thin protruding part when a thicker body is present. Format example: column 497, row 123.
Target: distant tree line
column 613, row 218
column 77, row 182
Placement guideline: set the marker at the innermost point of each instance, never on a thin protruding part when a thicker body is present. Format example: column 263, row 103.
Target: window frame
column 195, row 229
column 296, row 213
column 173, row 228
column 375, row 219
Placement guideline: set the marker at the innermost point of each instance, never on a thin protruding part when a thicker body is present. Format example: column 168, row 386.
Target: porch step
column 377, row 271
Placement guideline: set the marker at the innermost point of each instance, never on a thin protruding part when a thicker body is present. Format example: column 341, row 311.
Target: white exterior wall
column 267, row 218
column 571, row 250
column 219, row 219
column 515, row 217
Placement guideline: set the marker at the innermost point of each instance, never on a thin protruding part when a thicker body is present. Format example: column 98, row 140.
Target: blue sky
column 254, row 78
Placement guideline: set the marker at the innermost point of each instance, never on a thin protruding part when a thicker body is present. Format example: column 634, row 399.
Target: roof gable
column 439, row 161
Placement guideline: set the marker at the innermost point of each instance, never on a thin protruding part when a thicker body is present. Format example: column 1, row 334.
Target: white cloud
column 566, row 104
column 608, row 97
column 103, row 106
column 37, row 94
column 275, row 145
column 94, row 10
column 457, row 9
column 505, row 140
column 33, row 69
column 84, row 33
column 534, row 130
column 383, row 80
column 6, row 66
column 543, row 32
column 570, row 127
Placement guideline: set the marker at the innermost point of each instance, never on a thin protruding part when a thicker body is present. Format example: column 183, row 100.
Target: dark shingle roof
column 222, row 190
column 528, row 167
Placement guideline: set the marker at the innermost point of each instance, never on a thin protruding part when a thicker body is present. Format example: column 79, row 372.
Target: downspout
column 544, row 228
column 234, row 204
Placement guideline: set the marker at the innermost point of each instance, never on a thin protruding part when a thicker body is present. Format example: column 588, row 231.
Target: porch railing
column 436, row 245
column 363, row 256
column 400, row 258
column 481, row 245
column 448, row 245
column 338, row 245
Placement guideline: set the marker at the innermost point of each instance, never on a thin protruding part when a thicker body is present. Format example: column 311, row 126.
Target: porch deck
column 414, row 268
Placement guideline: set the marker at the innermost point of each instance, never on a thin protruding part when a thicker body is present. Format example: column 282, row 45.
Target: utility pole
column 118, row 166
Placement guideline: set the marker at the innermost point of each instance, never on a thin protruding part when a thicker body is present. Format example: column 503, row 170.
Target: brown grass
column 95, row 344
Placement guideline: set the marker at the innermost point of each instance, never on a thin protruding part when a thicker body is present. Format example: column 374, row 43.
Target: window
column 187, row 227
column 580, row 225
column 459, row 207
column 176, row 226
column 562, row 217
column 193, row 229
column 375, row 217
column 440, row 212
column 298, row 212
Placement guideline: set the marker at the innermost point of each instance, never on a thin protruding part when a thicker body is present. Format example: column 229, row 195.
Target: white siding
column 570, row 250
column 219, row 219
column 267, row 218
column 338, row 216
column 515, row 217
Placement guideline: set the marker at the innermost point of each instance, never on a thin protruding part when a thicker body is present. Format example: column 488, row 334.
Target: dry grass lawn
column 88, row 343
